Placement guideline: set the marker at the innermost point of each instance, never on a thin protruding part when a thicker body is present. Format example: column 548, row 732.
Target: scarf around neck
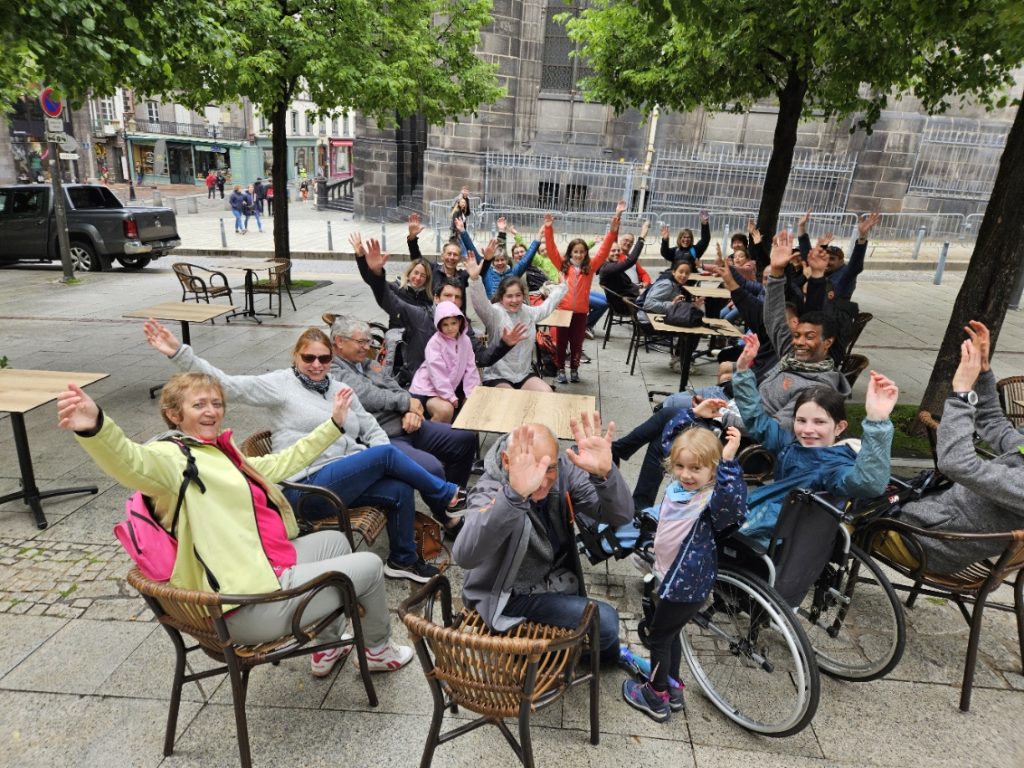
column 790, row 363
column 320, row 387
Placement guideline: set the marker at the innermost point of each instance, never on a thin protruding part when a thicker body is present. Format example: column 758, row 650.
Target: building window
column 334, row 126
column 263, row 124
column 559, row 72
column 295, row 123
column 105, row 107
column 126, row 101
column 152, row 111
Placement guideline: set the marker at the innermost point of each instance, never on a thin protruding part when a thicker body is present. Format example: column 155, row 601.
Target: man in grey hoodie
column 518, row 545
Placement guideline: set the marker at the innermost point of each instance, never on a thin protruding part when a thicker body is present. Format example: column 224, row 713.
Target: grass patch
column 303, row 283
column 903, row 444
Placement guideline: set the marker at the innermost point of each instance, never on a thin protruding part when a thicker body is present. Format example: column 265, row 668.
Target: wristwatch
column 970, row 396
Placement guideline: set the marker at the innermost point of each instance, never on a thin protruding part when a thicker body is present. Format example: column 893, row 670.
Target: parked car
column 100, row 228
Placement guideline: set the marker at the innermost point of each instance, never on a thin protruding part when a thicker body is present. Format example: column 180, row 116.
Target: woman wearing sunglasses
column 362, row 466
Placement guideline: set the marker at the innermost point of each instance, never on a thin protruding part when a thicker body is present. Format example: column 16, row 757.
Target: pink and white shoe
column 389, row 658
column 322, row 662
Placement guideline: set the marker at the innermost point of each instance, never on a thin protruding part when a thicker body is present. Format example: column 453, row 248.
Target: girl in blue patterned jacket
column 707, row 495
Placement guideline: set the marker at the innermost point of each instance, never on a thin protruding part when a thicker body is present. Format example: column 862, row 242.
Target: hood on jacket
column 492, row 459
column 446, row 309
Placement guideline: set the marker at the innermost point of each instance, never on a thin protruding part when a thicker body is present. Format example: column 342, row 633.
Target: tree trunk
column 279, row 152
column 993, row 271
column 791, row 105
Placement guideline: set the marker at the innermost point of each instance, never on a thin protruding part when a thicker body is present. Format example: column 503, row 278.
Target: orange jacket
column 578, row 297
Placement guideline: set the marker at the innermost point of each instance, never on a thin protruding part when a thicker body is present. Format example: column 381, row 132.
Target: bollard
column 157, row 197
column 383, row 236
column 941, row 266
column 172, row 203
column 191, row 204
column 917, row 245
column 223, row 235
column 330, row 238
column 437, row 246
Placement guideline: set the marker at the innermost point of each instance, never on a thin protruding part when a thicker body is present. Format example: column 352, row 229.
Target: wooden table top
column 21, row 390
column 252, row 265
column 708, row 291
column 493, row 409
column 189, row 312
column 559, row 318
column 718, row 327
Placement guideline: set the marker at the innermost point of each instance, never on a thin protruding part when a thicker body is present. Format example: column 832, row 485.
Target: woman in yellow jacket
column 236, row 531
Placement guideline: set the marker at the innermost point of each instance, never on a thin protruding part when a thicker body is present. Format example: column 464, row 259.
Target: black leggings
column 666, row 647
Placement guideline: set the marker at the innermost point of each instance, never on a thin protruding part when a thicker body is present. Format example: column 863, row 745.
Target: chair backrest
column 183, row 271
column 257, row 444
column 1011, row 398
column 931, row 429
column 853, row 366
column 616, row 303
column 863, row 318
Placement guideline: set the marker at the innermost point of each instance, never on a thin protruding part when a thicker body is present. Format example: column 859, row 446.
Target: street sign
column 51, row 106
column 56, row 138
column 68, row 155
column 54, row 124
column 70, row 144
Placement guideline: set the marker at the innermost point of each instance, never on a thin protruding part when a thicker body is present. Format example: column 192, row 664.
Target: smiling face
column 417, row 276
column 809, row 343
column 614, row 252
column 681, row 273
column 450, row 326
column 518, row 251
column 579, row 250
column 835, row 259
column 201, row 414
column 685, row 239
column 500, row 263
column 449, row 293
column 626, row 243
column 814, row 428
column 450, row 257
column 688, row 470
column 512, row 298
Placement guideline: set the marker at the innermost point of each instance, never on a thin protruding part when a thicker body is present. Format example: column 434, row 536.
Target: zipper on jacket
column 209, row 574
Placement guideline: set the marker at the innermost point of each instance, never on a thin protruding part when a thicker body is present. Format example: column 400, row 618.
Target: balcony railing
column 201, row 130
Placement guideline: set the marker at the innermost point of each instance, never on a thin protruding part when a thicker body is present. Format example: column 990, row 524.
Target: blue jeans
column 598, row 306
column 381, row 476
column 440, row 449
column 238, row 219
column 565, row 611
column 255, row 214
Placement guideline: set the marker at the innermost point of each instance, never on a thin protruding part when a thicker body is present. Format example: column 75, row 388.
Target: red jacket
column 578, row 297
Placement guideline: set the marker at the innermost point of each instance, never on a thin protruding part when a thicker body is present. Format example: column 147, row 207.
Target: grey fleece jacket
column 501, row 530
column 380, row 394
column 987, row 496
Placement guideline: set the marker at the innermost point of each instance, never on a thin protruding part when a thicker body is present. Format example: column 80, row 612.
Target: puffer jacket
column 448, row 362
column 577, row 299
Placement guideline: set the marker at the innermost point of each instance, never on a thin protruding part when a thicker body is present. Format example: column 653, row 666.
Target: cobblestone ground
column 44, row 578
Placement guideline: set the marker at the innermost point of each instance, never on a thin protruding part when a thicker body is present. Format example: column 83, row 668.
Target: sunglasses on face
column 323, row 359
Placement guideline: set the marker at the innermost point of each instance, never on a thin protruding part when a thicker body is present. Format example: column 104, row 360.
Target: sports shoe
column 589, row 334
column 574, row 376
column 418, row 570
column 457, row 508
column 676, row 702
column 674, row 365
column 322, row 662
column 560, row 379
column 389, row 658
column 643, row 697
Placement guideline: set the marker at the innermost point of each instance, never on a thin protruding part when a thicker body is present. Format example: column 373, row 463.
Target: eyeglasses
column 360, row 342
column 322, row 359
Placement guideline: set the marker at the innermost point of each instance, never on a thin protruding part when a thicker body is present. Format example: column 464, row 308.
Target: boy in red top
column 579, row 270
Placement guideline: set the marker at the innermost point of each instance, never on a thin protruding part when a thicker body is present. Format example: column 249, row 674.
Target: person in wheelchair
column 986, row 496
column 808, row 456
column 706, row 495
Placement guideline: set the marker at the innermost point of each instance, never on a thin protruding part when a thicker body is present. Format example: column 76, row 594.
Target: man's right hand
column 782, row 252
column 526, row 471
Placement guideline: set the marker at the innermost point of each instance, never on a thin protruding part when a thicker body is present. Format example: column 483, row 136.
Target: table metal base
column 30, row 492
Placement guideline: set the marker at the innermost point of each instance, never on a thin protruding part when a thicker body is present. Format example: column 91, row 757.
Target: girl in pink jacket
column 448, row 374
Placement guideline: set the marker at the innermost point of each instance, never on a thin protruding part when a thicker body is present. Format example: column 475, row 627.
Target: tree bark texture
column 791, row 105
column 279, row 152
column 993, row 271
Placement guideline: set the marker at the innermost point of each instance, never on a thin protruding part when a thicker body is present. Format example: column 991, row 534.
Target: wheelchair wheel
column 750, row 657
column 854, row 620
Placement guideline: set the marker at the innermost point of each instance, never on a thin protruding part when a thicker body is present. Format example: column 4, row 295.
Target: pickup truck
column 100, row 228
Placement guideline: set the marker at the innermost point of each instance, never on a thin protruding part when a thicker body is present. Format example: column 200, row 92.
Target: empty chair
column 201, row 283
column 1011, row 398
column 618, row 314
column 276, row 283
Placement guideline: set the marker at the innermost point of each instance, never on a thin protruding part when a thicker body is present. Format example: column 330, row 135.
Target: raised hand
column 824, row 240
column 704, row 218
column 751, row 225
column 526, row 470
column 782, row 251
column 719, row 259
column 709, row 408
column 415, row 227
column 549, row 220
column 755, row 236
column 620, row 207
column 867, row 223
column 817, row 261
column 76, row 411
column 881, row 397
column 664, row 232
column 645, row 227
column 751, row 345
column 474, row 267
column 970, row 366
column 465, row 192
column 801, row 225
column 460, row 225
column 342, row 402
column 375, row 258
column 594, row 449
column 501, row 223
column 515, row 334
column 489, row 250
column 160, row 339
column 979, row 335
column 732, row 444
column 357, row 244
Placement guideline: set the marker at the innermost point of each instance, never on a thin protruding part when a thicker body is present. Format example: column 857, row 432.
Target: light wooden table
column 494, row 409
column 690, row 337
column 20, row 392
column 708, row 291
column 559, row 318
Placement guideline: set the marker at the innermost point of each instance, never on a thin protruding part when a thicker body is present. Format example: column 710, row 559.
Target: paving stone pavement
column 85, row 671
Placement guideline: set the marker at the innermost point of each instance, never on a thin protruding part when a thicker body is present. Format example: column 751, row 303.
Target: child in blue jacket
column 707, row 495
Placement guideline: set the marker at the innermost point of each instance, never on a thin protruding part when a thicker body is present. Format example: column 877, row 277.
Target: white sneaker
column 322, row 662
column 389, row 658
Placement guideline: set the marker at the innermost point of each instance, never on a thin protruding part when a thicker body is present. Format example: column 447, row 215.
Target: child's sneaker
column 574, row 376
column 322, row 662
column 676, row 702
column 643, row 697
column 389, row 658
column 560, row 379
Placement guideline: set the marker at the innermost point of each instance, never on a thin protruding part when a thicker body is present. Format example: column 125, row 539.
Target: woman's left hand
column 751, row 345
column 881, row 397
column 732, row 444
column 76, row 411
column 342, row 402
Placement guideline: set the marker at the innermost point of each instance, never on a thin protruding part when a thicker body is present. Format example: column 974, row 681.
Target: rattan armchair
column 368, row 522
column 497, row 676
column 199, row 616
column 276, row 283
column 1011, row 398
column 201, row 283
column 970, row 586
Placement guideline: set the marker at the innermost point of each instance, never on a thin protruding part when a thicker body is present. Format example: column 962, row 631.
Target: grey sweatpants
column 319, row 553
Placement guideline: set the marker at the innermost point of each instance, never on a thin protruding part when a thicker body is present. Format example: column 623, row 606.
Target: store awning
column 341, row 142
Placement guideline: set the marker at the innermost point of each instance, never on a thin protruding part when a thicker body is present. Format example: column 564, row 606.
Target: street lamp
column 128, row 164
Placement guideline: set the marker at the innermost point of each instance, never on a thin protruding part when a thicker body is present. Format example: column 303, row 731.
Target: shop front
column 340, row 165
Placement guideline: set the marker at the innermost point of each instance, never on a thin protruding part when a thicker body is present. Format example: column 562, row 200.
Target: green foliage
column 904, row 444
column 4, row 363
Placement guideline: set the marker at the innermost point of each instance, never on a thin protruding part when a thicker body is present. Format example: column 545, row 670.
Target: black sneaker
column 419, row 570
column 676, row 701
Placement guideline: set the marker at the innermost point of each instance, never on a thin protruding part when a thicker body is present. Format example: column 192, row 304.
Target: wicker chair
column 863, row 318
column 276, row 283
column 497, row 676
column 931, row 427
column 853, row 367
column 368, row 522
column 1011, row 397
column 201, row 283
column 200, row 617
column 969, row 586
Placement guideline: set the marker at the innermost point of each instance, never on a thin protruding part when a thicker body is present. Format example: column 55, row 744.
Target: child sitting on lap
column 448, row 374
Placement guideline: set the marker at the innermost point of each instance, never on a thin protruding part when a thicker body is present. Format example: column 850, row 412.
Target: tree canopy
column 839, row 58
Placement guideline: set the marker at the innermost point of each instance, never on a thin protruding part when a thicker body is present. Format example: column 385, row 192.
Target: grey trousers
column 319, row 553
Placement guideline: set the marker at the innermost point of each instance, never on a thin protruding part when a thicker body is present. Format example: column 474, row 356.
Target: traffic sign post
column 51, row 106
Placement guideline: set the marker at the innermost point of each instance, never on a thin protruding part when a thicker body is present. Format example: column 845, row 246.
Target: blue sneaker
column 676, row 702
column 643, row 697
